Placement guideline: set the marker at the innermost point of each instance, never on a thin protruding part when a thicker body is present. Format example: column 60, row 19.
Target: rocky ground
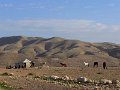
column 61, row 78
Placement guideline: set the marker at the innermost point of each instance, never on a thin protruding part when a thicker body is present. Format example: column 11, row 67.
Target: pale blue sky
column 87, row 20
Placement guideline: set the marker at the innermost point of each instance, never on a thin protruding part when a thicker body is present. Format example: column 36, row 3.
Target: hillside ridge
column 54, row 47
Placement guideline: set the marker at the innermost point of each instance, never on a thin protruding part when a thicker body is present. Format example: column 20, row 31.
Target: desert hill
column 16, row 48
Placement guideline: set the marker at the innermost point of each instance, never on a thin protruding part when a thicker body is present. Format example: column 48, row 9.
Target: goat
column 95, row 64
column 86, row 64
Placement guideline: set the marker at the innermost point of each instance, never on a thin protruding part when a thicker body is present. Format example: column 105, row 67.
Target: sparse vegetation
column 6, row 74
column 70, row 52
column 61, row 77
column 4, row 86
column 99, row 73
column 30, row 74
column 37, row 77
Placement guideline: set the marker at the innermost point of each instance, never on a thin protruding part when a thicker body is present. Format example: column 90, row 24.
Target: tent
column 27, row 63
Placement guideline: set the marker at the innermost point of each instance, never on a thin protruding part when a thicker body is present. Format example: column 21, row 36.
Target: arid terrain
column 16, row 48
column 29, row 79
column 54, row 51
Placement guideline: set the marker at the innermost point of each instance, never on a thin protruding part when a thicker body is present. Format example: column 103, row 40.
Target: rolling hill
column 16, row 48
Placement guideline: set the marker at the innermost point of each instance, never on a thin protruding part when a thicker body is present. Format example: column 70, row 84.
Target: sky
column 86, row 20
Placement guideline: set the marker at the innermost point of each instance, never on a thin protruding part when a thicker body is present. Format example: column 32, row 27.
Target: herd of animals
column 20, row 65
column 62, row 64
column 87, row 64
column 96, row 64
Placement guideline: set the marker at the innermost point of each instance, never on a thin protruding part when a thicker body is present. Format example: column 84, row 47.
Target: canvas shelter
column 27, row 63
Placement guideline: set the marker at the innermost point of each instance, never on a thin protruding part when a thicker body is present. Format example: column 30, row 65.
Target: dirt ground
column 21, row 79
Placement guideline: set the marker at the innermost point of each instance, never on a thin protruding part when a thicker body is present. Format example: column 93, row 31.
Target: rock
column 11, row 74
column 82, row 79
column 66, row 78
column 105, row 81
column 96, row 82
column 96, row 88
column 118, row 85
column 90, row 81
column 115, row 82
column 45, row 66
column 54, row 77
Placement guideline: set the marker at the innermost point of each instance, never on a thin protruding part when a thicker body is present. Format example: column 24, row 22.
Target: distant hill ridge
column 54, row 47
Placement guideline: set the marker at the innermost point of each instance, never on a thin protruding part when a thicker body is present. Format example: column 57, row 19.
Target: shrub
column 6, row 74
column 37, row 77
column 4, row 86
column 30, row 74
